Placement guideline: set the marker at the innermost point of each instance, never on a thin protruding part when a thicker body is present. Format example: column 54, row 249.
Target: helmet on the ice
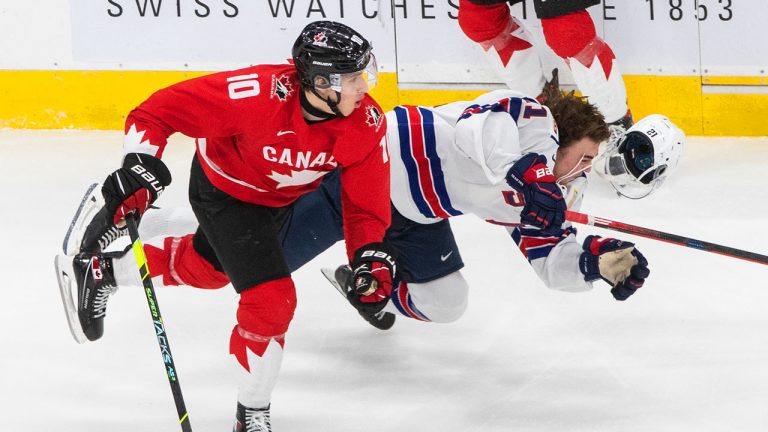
column 643, row 157
column 329, row 50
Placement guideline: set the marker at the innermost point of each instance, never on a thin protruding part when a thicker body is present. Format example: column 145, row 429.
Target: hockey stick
column 154, row 309
column 584, row 219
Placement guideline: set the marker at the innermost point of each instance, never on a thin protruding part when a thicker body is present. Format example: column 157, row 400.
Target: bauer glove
column 373, row 269
column 544, row 205
column 617, row 262
column 134, row 186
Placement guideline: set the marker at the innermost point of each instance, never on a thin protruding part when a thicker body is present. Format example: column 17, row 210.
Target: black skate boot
column 89, row 230
column 94, row 278
column 341, row 278
column 95, row 283
column 551, row 89
column 252, row 419
column 99, row 234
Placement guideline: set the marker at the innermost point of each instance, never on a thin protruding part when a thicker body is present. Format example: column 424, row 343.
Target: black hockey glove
column 544, row 205
column 134, row 186
column 616, row 262
column 373, row 269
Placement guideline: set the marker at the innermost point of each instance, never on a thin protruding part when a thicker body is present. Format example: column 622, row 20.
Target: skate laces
column 617, row 131
column 112, row 234
column 100, row 300
column 102, row 282
column 257, row 420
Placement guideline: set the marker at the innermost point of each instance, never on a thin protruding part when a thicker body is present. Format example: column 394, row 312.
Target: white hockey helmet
column 643, row 157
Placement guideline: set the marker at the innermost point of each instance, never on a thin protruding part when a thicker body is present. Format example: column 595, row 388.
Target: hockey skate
column 252, row 419
column 619, row 128
column 93, row 277
column 89, row 230
column 340, row 279
column 551, row 88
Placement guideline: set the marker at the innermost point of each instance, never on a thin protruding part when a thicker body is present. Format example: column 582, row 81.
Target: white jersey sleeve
column 555, row 259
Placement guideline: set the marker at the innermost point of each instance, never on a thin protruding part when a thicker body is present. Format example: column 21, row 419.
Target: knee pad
column 442, row 300
column 483, row 22
column 263, row 315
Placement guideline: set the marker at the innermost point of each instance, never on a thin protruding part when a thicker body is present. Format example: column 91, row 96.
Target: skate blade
column 90, row 204
column 384, row 323
column 330, row 275
column 66, row 279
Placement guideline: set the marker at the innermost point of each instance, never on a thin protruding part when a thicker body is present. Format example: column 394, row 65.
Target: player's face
column 575, row 159
column 353, row 89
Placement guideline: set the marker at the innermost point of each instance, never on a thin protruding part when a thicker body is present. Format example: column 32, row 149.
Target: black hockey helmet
column 330, row 49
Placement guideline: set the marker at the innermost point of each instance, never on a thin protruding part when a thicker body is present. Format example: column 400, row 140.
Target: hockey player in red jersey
column 503, row 157
column 266, row 135
column 570, row 33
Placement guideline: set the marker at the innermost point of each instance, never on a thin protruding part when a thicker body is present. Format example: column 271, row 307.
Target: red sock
column 180, row 264
column 570, row 34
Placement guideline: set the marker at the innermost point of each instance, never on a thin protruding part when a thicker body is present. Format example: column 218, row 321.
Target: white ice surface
column 689, row 352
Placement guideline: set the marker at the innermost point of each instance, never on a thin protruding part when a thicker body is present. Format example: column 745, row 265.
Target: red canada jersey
column 254, row 144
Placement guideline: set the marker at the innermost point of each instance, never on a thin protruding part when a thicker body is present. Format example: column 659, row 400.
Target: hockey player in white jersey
column 501, row 157
column 504, row 158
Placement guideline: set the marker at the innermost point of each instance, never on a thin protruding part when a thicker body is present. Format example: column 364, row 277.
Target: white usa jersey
column 453, row 159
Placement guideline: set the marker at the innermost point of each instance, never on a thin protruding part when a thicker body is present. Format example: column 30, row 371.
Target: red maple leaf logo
column 373, row 117
column 320, row 39
column 282, row 87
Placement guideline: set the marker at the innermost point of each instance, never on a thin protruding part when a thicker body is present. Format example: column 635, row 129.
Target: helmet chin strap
column 332, row 104
column 313, row 110
column 574, row 171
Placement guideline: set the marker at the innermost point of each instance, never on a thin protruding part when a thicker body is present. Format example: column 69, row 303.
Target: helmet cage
column 643, row 158
column 638, row 157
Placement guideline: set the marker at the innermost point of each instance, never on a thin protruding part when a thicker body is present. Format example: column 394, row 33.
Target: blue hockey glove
column 544, row 203
column 617, row 262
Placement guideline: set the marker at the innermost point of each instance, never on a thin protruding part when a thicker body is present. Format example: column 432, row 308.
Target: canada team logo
column 374, row 117
column 96, row 269
column 282, row 87
column 320, row 39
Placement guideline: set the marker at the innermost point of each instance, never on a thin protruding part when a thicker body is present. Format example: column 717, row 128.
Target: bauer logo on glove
column 373, row 268
column 146, row 175
column 543, row 203
column 134, row 187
